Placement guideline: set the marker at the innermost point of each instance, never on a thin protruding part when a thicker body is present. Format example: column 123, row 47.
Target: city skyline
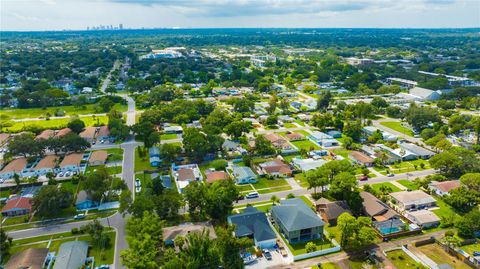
column 137, row 14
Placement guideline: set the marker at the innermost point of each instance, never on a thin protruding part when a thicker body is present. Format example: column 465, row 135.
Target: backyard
column 439, row 256
column 305, row 144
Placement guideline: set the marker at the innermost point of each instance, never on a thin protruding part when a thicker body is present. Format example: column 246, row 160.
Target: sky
column 38, row 15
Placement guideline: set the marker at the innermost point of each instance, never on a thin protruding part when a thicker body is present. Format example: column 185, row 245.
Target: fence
column 460, row 254
column 317, row 253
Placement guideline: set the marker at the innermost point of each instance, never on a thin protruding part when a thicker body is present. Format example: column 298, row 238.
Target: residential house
column 184, row 174
column 422, row 94
column 370, row 130
column 62, row 132
column 323, row 139
column 98, row 157
column 408, row 200
column 172, row 232
column 331, row 210
column 46, row 165
column 154, row 156
column 84, row 201
column 398, row 153
column 417, row 150
column 103, row 133
column 253, row 223
column 89, row 133
column 384, row 155
column 444, row 187
column 361, row 158
column 31, row 258
column 297, row 221
column 278, row 141
column 212, row 176
column 71, row 162
column 307, row 164
column 71, row 255
column 244, row 175
column 15, row 166
column 424, row 218
column 4, row 138
column 295, row 136
column 335, row 134
column 275, row 168
column 17, row 206
column 45, row 134
column 376, row 209
column 173, row 130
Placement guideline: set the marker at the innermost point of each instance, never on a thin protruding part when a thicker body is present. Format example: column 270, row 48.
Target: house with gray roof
column 297, row 221
column 417, row 150
column 244, row 175
column 71, row 255
column 253, row 223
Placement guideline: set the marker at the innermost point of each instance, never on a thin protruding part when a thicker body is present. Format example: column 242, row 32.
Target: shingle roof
column 334, row 209
column 45, row 134
column 18, row 203
column 99, row 155
column 241, row 172
column 295, row 215
column 416, row 149
column 446, row 186
column 252, row 222
column 103, row 131
column 89, row 132
column 185, row 174
column 72, row 159
column 215, row 176
column 412, row 197
column 16, row 165
column 48, row 161
column 357, row 155
column 371, row 205
column 63, row 132
column 424, row 216
column 71, row 255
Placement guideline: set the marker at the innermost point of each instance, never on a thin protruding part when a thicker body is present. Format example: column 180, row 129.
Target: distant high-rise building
column 120, row 26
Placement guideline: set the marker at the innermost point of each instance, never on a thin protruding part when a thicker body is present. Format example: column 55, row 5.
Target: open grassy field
column 392, row 187
column 397, row 126
column 23, row 113
column 444, row 210
column 305, row 144
column 167, row 136
column 409, row 184
column 52, row 124
column 438, row 255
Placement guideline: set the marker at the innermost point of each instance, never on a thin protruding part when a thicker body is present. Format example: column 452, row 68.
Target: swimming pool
column 389, row 230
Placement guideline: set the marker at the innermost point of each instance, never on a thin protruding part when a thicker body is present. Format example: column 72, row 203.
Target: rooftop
column 252, row 222
column 71, row 255
column 32, row 258
column 48, row 161
column 98, row 156
column 72, row 159
column 88, row 132
column 412, row 197
column 295, row 215
column 16, row 165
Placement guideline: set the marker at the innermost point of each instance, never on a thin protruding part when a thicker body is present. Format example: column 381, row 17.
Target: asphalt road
column 283, row 194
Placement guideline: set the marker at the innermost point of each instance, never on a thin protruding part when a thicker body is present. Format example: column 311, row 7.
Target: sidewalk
column 292, row 182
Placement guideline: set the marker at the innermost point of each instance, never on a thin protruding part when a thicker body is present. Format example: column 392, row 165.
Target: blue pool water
column 388, row 230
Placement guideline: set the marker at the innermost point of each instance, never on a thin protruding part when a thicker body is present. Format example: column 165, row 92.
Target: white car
column 138, row 189
column 138, row 183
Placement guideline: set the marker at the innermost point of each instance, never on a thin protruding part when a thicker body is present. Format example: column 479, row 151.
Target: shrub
column 310, row 247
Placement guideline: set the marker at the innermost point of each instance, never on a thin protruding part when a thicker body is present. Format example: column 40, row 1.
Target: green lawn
column 269, row 183
column 305, row 144
column 397, row 126
column 333, row 232
column 275, row 189
column 377, row 187
column 142, row 164
column 471, row 248
column 342, row 152
column 244, row 187
column 289, row 125
column 301, row 123
column 444, row 210
column 401, row 260
column 305, row 133
column 22, row 113
column 409, row 166
column 299, row 248
column 52, row 124
column 328, row 265
column 306, row 200
column 112, row 170
column 168, row 136
column 409, row 184
column 302, row 181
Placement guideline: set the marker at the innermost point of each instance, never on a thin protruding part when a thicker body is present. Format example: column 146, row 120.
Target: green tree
column 50, row 200
column 145, row 242
column 5, row 244
column 324, row 100
column 98, row 234
column 169, row 152
column 471, row 181
column 263, row 146
column 355, row 233
column 76, row 125
column 97, row 183
column 229, row 246
column 25, row 144
column 468, row 224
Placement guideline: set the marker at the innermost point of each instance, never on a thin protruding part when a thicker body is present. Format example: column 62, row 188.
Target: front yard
column 401, row 260
column 388, row 185
column 397, row 126
column 439, row 256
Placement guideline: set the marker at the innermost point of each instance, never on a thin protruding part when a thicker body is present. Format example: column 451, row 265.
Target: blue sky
column 77, row 14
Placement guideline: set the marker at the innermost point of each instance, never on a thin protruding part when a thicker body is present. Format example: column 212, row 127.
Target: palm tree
column 16, row 178
column 274, row 199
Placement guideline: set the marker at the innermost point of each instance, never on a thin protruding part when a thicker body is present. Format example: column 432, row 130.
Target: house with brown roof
column 62, row 132
column 295, row 136
column 46, row 165
column 103, row 133
column 45, row 134
column 71, row 162
column 172, row 232
column 98, row 157
column 14, row 167
column 212, row 176
column 361, row 158
column 17, row 206
column 331, row 210
column 275, row 168
column 424, row 218
column 444, row 187
column 278, row 141
column 4, row 138
column 376, row 209
column 184, row 174
column 88, row 133
column 32, row 258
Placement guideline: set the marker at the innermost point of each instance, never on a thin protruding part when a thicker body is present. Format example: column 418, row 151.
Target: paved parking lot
column 262, row 263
